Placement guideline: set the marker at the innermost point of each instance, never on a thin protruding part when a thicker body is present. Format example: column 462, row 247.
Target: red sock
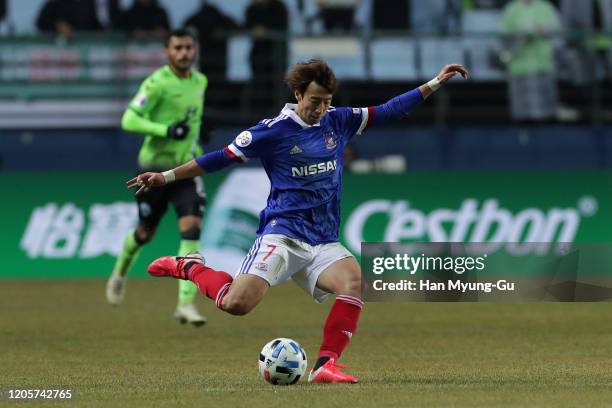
column 340, row 326
column 213, row 284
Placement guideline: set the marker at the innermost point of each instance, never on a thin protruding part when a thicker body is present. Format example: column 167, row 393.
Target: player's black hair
column 178, row 32
column 317, row 70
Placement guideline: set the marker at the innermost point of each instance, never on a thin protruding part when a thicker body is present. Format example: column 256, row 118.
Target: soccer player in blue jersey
column 301, row 151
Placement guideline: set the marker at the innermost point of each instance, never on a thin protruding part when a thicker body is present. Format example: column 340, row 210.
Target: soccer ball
column 282, row 361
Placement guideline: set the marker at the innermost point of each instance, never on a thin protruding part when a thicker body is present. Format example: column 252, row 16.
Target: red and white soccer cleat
column 173, row 266
column 330, row 373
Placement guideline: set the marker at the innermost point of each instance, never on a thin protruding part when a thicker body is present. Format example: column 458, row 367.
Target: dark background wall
column 511, row 147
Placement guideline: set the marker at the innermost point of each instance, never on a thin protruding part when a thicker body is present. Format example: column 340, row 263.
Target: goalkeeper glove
column 178, row 131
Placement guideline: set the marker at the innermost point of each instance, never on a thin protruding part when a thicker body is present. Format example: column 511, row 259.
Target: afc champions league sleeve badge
column 244, row 139
column 141, row 99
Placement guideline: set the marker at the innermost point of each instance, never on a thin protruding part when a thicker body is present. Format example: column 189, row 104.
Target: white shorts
column 276, row 258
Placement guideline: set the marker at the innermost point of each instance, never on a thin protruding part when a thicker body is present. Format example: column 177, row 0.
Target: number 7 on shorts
column 269, row 253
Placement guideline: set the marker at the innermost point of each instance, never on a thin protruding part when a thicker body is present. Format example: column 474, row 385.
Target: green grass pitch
column 62, row 333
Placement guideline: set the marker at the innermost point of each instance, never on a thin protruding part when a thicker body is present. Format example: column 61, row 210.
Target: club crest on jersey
column 244, row 139
column 330, row 140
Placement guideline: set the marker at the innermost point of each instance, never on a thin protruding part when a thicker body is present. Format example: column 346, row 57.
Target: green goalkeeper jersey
column 162, row 100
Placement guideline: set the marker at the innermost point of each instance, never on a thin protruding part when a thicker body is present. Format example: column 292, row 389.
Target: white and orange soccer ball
column 282, row 361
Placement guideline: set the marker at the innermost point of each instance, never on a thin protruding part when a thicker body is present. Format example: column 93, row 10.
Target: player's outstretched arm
column 445, row 75
column 143, row 181
column 206, row 163
column 403, row 104
column 132, row 121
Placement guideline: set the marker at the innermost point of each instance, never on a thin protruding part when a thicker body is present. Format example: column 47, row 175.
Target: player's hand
column 178, row 131
column 450, row 71
column 146, row 180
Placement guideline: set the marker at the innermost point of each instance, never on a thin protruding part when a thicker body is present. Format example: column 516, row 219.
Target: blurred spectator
column 337, row 15
column 268, row 20
column 584, row 21
column 484, row 4
column 64, row 17
column 5, row 24
column 146, row 18
column 108, row 13
column 530, row 25
column 436, row 16
column 604, row 40
column 213, row 29
column 577, row 55
column 391, row 15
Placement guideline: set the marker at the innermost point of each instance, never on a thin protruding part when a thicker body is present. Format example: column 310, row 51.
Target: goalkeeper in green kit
column 167, row 110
